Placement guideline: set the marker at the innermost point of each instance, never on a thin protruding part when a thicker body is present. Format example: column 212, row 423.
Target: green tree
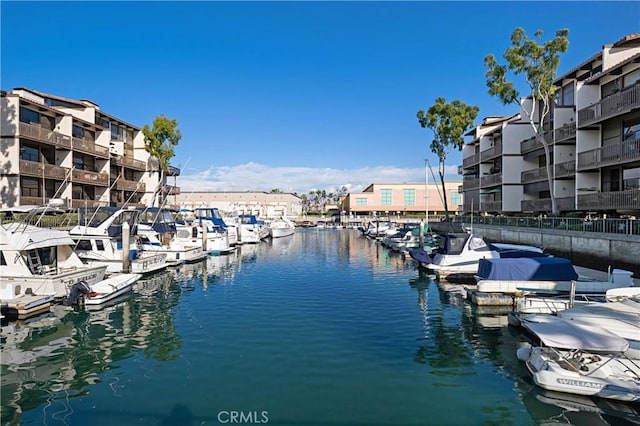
column 539, row 65
column 276, row 191
column 448, row 122
column 159, row 141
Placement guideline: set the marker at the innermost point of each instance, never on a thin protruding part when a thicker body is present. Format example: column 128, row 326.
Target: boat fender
column 77, row 289
column 523, row 353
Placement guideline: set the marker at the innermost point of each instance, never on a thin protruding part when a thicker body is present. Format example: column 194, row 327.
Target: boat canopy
column 527, row 269
column 27, row 237
column 564, row 334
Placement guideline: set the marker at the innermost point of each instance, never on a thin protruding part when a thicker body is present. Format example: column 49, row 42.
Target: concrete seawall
column 591, row 250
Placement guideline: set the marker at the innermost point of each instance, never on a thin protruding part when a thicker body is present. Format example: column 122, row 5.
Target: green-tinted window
column 409, row 197
column 386, row 197
column 361, row 201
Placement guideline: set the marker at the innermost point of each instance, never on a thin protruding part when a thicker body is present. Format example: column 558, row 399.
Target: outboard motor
column 79, row 288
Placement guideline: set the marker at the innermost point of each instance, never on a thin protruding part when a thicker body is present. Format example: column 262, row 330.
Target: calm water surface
column 322, row 328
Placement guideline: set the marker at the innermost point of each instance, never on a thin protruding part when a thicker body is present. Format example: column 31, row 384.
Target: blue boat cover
column 527, row 269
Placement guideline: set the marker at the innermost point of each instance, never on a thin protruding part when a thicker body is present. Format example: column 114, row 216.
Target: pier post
column 126, row 262
column 204, row 238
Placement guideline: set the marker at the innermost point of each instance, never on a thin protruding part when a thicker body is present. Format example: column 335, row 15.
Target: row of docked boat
column 109, row 249
column 583, row 333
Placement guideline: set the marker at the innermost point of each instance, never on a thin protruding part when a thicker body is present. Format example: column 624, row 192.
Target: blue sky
column 289, row 95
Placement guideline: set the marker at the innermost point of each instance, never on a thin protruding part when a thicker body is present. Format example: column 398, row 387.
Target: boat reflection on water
column 548, row 407
column 54, row 357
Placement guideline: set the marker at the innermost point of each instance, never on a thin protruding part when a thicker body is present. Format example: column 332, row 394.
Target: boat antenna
column 435, row 180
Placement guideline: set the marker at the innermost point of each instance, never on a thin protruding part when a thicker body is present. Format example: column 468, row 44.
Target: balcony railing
column 78, row 203
column 544, row 204
column 494, row 151
column 564, row 170
column 565, row 133
column 45, row 135
column 488, row 180
column 32, row 201
column 469, row 183
column 471, row 161
column 42, row 170
column 610, row 200
column 130, row 163
column 491, row 206
column 94, row 178
column 171, row 190
column 531, row 144
column 90, row 147
column 626, row 151
column 611, row 106
column 535, row 175
column 130, row 185
column 173, row 171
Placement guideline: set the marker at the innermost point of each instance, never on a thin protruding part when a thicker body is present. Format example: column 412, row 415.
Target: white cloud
column 259, row 177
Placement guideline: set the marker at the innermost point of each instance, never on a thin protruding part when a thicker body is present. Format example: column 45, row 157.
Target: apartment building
column 593, row 132
column 55, row 147
column 403, row 199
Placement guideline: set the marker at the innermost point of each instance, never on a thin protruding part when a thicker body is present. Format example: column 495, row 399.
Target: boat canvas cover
column 27, row 237
column 563, row 334
column 527, row 269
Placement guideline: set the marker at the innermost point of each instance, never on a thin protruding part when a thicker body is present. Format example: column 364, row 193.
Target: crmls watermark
column 243, row 417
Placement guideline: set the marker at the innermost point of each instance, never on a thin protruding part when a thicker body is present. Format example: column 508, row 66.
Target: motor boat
column 460, row 253
column 580, row 359
column 281, row 227
column 41, row 262
column 99, row 240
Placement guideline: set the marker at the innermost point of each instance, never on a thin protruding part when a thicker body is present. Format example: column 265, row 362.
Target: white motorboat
column 281, row 227
column 460, row 253
column 42, row 262
column 99, row 241
column 579, row 359
column 110, row 288
column 222, row 236
column 621, row 318
column 158, row 233
column 540, row 275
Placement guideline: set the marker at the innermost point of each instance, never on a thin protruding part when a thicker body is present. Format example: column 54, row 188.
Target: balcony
column 92, row 178
column 89, row 147
column 173, row 171
column 535, row 175
column 32, row 201
column 544, row 204
column 42, row 170
column 470, row 182
column 611, row 106
column 531, row 144
column 130, row 185
column 493, row 179
column 130, row 163
column 566, row 133
column 471, row 161
column 47, row 136
column 171, row 190
column 491, row 206
column 78, row 203
column 565, row 170
column 493, row 152
column 610, row 155
column 617, row 200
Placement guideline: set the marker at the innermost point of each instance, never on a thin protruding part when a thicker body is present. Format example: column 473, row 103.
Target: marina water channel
column 322, row 328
